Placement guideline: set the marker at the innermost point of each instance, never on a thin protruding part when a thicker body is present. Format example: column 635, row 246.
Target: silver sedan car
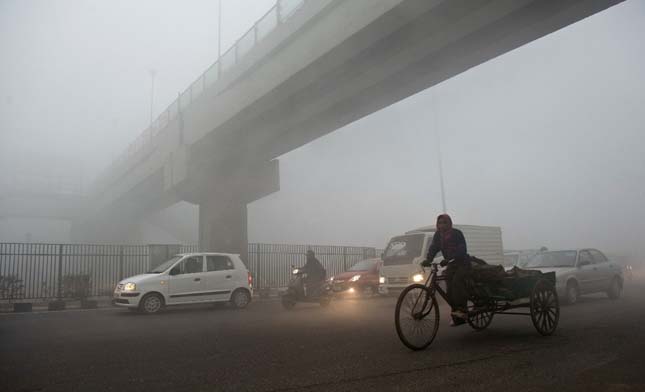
column 581, row 271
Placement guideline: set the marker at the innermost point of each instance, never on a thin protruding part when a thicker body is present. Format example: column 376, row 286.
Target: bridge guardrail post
column 59, row 289
column 120, row 262
column 344, row 258
column 257, row 264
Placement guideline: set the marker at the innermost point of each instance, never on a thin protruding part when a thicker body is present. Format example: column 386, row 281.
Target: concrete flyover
column 330, row 62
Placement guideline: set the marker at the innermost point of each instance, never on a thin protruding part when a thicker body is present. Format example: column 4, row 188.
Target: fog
column 545, row 141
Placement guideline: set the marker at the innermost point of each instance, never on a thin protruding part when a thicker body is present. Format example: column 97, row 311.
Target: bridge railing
column 34, row 271
column 281, row 12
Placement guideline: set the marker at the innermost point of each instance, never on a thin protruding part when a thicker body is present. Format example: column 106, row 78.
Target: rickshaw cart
column 491, row 291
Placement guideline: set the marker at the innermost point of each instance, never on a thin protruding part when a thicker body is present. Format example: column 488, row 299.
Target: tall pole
column 443, row 192
column 219, row 37
column 153, row 73
column 438, row 138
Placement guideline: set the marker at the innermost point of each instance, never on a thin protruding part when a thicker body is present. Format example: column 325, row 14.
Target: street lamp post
column 438, row 138
column 443, row 192
column 219, row 38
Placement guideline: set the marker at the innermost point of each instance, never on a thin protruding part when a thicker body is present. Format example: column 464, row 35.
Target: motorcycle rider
column 452, row 245
column 316, row 273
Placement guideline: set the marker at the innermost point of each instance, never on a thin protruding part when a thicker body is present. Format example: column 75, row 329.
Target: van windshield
column 403, row 249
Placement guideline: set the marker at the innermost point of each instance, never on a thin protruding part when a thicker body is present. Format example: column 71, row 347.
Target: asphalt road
column 352, row 345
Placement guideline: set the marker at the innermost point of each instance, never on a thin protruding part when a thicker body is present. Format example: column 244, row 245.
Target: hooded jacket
column 314, row 269
column 451, row 243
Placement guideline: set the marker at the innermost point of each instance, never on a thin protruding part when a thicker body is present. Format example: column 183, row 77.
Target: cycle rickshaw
column 417, row 312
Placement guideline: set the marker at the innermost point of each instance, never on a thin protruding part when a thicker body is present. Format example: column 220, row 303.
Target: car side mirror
column 174, row 271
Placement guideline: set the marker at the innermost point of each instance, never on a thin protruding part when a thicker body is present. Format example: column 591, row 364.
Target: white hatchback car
column 189, row 278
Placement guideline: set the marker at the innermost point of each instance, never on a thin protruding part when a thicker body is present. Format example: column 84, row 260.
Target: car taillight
column 250, row 279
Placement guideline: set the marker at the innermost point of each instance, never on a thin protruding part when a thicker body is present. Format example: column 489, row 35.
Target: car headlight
column 295, row 271
column 355, row 278
column 417, row 278
column 331, row 279
column 129, row 287
column 381, row 279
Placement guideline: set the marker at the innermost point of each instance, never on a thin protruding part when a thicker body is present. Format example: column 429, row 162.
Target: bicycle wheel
column 416, row 317
column 480, row 316
column 545, row 308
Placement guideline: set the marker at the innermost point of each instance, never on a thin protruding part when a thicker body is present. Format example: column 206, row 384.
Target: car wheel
column 240, row 299
column 151, row 303
column 615, row 289
column 572, row 293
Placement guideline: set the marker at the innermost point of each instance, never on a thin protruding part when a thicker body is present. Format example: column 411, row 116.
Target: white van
column 404, row 253
column 189, row 278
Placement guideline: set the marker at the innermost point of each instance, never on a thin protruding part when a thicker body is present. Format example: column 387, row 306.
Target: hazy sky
column 75, row 73
column 546, row 141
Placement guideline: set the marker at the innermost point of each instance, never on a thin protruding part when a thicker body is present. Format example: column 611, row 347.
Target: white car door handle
column 197, row 279
column 228, row 276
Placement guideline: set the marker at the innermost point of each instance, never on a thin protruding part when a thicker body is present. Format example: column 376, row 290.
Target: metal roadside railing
column 271, row 264
column 33, row 271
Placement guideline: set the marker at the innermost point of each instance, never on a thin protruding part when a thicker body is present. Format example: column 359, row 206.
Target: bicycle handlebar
column 441, row 263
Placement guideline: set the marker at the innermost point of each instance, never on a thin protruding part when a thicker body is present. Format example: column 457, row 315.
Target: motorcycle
column 297, row 291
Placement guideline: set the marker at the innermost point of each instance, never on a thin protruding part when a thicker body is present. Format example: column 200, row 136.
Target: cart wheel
column 545, row 308
column 416, row 317
column 480, row 317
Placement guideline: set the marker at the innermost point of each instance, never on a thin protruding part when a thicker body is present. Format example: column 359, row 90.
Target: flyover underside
column 119, row 222
column 360, row 77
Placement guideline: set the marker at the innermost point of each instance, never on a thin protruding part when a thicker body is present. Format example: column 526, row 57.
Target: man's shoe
column 459, row 314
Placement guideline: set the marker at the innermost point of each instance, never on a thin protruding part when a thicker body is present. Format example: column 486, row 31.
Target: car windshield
column 164, row 266
column 403, row 249
column 565, row 258
column 364, row 265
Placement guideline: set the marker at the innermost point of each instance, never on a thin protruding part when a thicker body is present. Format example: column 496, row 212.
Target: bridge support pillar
column 223, row 226
column 223, row 207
